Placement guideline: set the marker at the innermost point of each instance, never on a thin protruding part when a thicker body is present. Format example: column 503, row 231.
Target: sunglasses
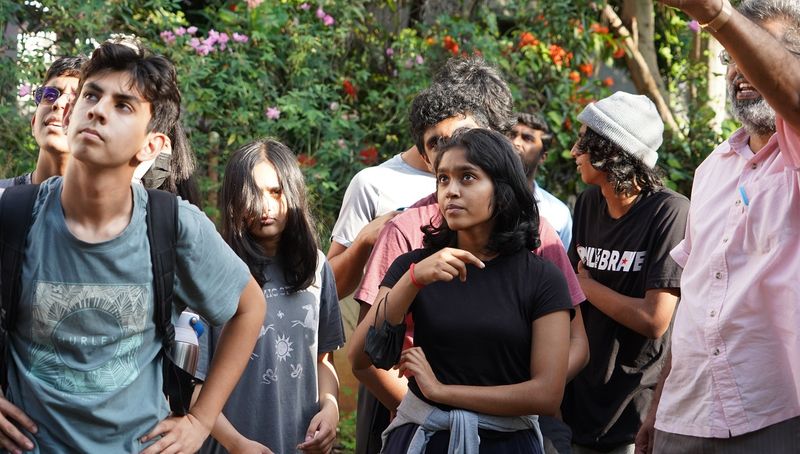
column 48, row 95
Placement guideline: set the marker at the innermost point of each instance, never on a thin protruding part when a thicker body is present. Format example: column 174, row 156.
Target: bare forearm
column 233, row 351
column 633, row 313
column 385, row 385
column 328, row 383
column 662, row 378
column 348, row 266
column 578, row 346
column 540, row 399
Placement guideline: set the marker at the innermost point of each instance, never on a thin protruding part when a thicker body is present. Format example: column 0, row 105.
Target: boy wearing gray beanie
column 625, row 225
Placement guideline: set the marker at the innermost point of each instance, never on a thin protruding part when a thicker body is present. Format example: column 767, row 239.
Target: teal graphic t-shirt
column 85, row 362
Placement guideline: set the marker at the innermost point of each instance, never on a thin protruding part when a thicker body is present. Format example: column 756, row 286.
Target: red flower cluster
column 619, row 53
column 305, row 160
column 586, row 68
column 350, row 90
column 574, row 76
column 368, row 155
column 527, row 39
column 608, row 81
column 597, row 28
column 559, row 55
column 450, row 44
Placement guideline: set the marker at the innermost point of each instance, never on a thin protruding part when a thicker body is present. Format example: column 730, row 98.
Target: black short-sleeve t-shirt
column 606, row 402
column 478, row 332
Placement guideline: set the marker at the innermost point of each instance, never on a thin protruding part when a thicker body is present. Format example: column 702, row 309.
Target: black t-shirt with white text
column 478, row 332
column 606, row 403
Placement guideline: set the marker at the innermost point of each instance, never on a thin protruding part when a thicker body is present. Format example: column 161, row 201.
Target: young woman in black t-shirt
column 491, row 318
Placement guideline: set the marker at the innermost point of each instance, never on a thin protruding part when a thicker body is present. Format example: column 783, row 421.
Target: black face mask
column 158, row 172
column 385, row 343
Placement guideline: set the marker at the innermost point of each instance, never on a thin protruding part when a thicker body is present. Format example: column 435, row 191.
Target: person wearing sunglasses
column 59, row 88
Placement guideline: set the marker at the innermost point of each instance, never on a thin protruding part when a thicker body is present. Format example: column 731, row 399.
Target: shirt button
column 713, row 313
column 753, row 166
column 738, row 202
column 716, row 352
column 724, row 240
column 718, row 275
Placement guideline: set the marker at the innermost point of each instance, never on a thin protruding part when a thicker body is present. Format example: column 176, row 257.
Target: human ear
column 154, row 144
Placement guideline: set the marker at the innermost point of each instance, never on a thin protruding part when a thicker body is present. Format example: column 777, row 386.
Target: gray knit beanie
column 630, row 121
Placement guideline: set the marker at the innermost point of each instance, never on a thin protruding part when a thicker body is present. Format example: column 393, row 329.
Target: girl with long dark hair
column 491, row 318
column 286, row 399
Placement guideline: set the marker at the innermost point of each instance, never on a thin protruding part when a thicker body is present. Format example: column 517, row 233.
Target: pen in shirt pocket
column 745, row 199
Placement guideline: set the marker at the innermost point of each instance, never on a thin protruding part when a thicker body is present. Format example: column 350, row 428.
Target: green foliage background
column 296, row 63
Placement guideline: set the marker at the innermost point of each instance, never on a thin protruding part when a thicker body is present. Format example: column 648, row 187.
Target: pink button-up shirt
column 736, row 338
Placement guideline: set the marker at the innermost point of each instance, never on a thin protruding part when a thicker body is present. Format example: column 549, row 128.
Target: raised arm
column 760, row 56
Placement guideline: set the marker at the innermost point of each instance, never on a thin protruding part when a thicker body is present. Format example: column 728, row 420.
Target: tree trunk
column 638, row 16
column 639, row 69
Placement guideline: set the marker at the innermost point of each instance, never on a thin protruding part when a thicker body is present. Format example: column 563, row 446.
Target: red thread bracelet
column 413, row 279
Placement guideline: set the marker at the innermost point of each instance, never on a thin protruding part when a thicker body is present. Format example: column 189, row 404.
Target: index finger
column 467, row 257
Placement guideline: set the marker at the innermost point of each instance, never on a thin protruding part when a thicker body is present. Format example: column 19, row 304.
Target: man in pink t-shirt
column 732, row 385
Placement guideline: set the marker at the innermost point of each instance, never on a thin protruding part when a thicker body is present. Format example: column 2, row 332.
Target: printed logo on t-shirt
column 86, row 338
column 611, row 260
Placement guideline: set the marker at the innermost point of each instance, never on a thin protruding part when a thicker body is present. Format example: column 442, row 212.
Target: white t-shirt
column 375, row 191
column 556, row 213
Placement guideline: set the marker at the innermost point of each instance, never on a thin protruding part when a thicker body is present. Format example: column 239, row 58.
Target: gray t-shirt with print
column 85, row 363
column 277, row 396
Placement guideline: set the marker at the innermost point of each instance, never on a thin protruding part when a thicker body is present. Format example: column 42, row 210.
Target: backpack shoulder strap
column 162, row 233
column 16, row 217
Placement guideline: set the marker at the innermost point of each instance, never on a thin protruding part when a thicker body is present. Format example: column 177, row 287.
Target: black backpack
column 16, row 216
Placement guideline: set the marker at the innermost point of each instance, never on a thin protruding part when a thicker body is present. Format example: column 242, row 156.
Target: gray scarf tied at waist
column 462, row 424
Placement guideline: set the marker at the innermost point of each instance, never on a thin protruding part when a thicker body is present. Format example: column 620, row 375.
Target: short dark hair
column 65, row 66
column 438, row 103
column 241, row 202
column 534, row 120
column 513, row 206
column 476, row 78
column 154, row 76
column 623, row 170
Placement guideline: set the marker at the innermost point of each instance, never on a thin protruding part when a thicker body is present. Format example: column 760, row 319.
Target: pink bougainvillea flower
column 167, row 36
column 321, row 13
column 24, row 90
column 180, row 31
column 389, row 51
column 273, row 113
column 191, row 30
column 254, row 3
column 328, row 20
column 240, row 38
column 420, row 60
column 222, row 40
column 305, row 6
column 694, row 26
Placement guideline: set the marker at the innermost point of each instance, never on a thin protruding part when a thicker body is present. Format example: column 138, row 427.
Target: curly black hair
column 438, row 103
column 483, row 82
column 624, row 171
column 514, row 209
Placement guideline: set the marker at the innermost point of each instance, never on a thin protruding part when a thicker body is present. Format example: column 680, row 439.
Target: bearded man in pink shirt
column 733, row 382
